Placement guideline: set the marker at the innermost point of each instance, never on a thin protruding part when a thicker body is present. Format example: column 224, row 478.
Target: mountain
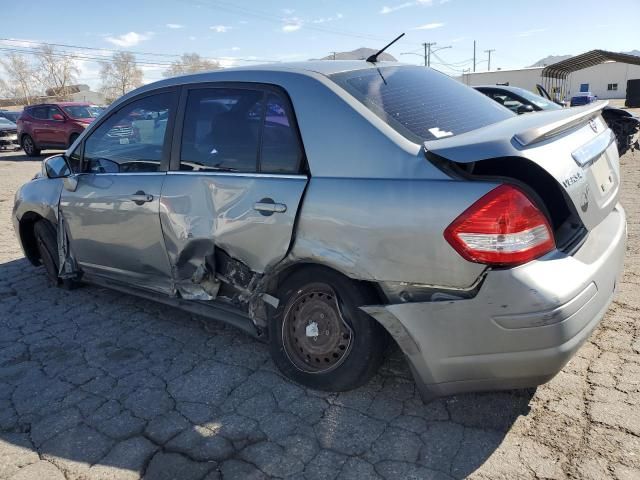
column 558, row 58
column 543, row 62
column 360, row 54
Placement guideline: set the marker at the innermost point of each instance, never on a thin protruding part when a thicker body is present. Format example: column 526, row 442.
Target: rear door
column 52, row 132
column 113, row 217
column 237, row 178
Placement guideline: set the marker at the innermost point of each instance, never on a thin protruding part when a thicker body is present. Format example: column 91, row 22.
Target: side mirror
column 56, row 167
column 524, row 109
column 57, row 117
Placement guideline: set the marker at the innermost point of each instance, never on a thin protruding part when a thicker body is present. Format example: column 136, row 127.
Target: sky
column 240, row 32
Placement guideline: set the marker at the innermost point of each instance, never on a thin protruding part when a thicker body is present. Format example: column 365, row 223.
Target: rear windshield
column 80, row 111
column 420, row 103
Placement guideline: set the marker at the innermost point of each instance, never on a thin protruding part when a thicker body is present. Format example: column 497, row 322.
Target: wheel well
column 28, row 237
column 372, row 288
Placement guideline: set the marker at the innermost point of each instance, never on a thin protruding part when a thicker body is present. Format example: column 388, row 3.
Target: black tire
column 73, row 138
column 47, row 243
column 329, row 360
column 29, row 146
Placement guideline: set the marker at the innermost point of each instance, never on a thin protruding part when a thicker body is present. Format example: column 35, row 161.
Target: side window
column 131, row 140
column 281, row 152
column 52, row 111
column 41, row 113
column 221, row 130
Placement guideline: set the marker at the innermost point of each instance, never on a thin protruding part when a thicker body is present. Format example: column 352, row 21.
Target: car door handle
column 140, row 198
column 267, row 206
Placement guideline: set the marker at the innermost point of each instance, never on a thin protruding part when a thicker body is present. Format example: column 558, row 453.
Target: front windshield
column 79, row 111
column 420, row 103
column 537, row 100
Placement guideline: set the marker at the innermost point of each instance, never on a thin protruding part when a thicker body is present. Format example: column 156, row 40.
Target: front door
column 237, row 179
column 112, row 217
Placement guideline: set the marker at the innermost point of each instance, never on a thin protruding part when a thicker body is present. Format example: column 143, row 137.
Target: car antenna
column 374, row 58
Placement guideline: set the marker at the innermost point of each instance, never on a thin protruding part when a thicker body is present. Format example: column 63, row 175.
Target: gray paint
column 373, row 208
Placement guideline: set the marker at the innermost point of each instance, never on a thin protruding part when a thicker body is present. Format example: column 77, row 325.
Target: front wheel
column 318, row 335
column 47, row 242
column 29, row 146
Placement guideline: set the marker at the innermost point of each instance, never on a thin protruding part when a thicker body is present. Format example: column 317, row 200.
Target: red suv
column 52, row 125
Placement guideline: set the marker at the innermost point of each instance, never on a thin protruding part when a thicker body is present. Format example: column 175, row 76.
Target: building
column 596, row 72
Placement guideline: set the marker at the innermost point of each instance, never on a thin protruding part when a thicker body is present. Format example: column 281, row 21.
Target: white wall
column 88, row 96
column 523, row 78
column 597, row 77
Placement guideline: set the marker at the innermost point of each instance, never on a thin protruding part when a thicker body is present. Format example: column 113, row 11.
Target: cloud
column 174, row 26
column 192, row 38
column 292, row 25
column 129, row 39
column 220, row 28
column 20, row 43
column 288, row 11
column 235, row 49
column 428, row 26
column 400, row 6
column 337, row 16
column 528, row 33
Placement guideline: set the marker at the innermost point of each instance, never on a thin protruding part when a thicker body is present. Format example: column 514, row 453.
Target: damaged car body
column 327, row 207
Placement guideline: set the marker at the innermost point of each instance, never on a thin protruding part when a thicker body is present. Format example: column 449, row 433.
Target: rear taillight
column 503, row 228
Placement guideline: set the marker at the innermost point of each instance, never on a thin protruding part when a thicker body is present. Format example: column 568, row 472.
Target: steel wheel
column 27, row 145
column 316, row 337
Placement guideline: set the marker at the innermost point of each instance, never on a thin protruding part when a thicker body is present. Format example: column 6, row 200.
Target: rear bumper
column 521, row 328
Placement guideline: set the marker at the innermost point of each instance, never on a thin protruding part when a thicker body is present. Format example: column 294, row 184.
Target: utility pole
column 427, row 53
column 334, row 54
column 474, row 55
column 489, row 52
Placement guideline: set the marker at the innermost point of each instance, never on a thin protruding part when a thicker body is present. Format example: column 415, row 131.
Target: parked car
column 8, row 135
column 10, row 115
column 624, row 124
column 582, row 98
column 486, row 244
column 52, row 126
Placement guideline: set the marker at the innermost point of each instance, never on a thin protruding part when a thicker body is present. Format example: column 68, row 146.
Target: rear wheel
column 318, row 335
column 47, row 243
column 29, row 146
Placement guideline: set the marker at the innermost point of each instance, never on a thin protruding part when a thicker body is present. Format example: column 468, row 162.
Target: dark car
column 624, row 124
column 9, row 115
column 8, row 135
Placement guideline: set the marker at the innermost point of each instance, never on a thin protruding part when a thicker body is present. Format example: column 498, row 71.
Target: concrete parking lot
column 96, row 384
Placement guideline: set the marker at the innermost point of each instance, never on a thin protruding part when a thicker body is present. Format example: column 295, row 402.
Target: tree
column 190, row 63
column 120, row 75
column 56, row 73
column 21, row 77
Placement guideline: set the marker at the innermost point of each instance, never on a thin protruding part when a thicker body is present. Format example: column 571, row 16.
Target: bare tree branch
column 56, row 73
column 190, row 63
column 120, row 75
column 21, row 76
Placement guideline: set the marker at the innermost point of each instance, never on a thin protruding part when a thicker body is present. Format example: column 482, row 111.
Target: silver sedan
column 330, row 208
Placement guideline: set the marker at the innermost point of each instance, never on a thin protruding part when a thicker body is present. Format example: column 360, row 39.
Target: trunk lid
column 574, row 146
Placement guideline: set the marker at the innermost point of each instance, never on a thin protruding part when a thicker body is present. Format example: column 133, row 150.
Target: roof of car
column 62, row 104
column 325, row 67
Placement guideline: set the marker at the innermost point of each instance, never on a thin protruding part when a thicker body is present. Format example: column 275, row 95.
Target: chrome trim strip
column 128, row 174
column 237, row 174
column 589, row 152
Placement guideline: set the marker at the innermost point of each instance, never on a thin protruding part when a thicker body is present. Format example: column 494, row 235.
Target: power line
column 236, row 10
column 133, row 52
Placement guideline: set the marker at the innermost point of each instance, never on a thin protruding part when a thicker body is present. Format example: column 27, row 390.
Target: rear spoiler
column 509, row 137
column 537, row 134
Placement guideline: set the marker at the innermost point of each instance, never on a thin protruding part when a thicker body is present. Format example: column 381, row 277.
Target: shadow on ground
column 99, row 384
